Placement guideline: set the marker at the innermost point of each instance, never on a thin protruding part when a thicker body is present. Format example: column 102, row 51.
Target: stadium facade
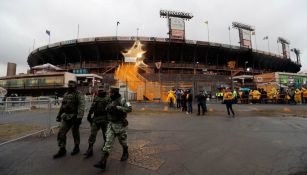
column 181, row 63
column 99, row 54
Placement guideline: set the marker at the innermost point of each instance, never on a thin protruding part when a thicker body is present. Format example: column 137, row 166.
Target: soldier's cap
column 72, row 83
column 114, row 90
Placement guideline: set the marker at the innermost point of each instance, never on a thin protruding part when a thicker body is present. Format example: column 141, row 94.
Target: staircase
column 135, row 82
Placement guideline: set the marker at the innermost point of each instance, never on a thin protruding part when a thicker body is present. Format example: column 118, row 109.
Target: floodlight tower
column 176, row 23
column 244, row 33
column 285, row 47
column 297, row 53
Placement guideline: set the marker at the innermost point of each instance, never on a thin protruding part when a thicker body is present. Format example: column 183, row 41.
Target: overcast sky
column 23, row 21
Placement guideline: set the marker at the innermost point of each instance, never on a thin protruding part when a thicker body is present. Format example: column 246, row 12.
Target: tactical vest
column 70, row 103
column 116, row 115
column 100, row 113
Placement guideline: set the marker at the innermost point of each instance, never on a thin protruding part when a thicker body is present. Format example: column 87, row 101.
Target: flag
column 48, row 32
column 206, row 22
column 266, row 37
column 117, row 23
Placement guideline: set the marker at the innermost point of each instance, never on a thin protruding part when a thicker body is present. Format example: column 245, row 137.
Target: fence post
column 5, row 106
column 49, row 130
column 145, row 92
column 126, row 94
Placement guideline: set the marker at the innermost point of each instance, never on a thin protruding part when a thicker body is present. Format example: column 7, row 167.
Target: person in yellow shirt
column 274, row 95
column 287, row 96
column 228, row 100
column 298, row 96
column 256, row 96
column 171, row 98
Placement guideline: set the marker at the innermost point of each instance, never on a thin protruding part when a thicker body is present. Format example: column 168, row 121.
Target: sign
column 130, row 59
column 177, row 23
column 231, row 64
column 80, row 71
column 246, row 35
column 176, row 28
column 67, row 42
column 245, row 38
column 177, row 34
column 158, row 64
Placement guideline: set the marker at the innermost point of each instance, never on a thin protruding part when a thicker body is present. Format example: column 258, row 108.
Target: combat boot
column 76, row 150
column 125, row 154
column 103, row 162
column 60, row 153
column 89, row 151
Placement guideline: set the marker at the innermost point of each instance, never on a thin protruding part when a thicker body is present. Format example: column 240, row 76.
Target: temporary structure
column 2, row 92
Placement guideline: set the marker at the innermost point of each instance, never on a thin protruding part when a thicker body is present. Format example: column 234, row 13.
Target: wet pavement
column 260, row 140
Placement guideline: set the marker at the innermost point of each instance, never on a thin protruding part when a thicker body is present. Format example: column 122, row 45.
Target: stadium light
column 297, row 53
column 282, row 40
column 243, row 26
column 245, row 32
column 168, row 13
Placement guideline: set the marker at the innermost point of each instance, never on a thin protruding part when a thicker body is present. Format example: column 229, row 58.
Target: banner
column 245, row 38
column 130, row 60
column 176, row 28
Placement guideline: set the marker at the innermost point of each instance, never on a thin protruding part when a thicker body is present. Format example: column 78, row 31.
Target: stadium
column 148, row 67
column 99, row 54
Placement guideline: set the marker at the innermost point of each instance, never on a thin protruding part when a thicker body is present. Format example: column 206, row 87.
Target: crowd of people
column 289, row 95
column 274, row 96
column 184, row 100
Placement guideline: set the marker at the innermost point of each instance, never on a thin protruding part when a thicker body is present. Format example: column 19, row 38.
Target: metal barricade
column 40, row 112
column 38, row 116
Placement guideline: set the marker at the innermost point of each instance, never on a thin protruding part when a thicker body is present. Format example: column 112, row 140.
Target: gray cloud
column 22, row 21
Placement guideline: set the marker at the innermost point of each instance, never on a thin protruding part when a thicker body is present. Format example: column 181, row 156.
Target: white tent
column 47, row 66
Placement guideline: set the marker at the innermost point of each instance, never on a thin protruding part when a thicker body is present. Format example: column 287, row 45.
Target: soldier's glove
column 89, row 118
column 125, row 122
column 111, row 108
column 59, row 118
column 78, row 121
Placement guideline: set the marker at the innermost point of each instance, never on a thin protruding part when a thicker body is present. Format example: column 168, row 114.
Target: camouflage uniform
column 70, row 116
column 117, row 127
column 99, row 121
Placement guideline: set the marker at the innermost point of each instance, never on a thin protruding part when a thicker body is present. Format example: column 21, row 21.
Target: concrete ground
column 262, row 139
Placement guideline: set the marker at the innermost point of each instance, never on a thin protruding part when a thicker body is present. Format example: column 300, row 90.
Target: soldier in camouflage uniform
column 117, row 127
column 70, row 116
column 99, row 121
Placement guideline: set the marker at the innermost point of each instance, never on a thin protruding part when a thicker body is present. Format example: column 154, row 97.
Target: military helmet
column 114, row 90
column 72, row 83
column 101, row 86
